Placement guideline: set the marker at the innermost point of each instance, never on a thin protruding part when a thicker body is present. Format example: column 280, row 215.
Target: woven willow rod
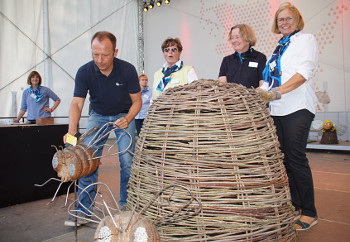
column 219, row 141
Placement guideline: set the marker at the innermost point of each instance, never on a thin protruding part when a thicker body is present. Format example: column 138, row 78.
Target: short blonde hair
column 245, row 32
column 296, row 15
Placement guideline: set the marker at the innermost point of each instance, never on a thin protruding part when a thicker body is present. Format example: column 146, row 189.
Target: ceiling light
column 151, row 4
column 145, row 8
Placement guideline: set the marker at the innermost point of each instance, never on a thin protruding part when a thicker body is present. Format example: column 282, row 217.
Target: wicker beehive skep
column 219, row 141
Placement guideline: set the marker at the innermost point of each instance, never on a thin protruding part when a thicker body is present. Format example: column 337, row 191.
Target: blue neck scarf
column 38, row 95
column 243, row 56
column 144, row 90
column 167, row 72
column 272, row 72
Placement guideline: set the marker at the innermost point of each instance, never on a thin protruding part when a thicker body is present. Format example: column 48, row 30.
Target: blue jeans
column 139, row 123
column 125, row 158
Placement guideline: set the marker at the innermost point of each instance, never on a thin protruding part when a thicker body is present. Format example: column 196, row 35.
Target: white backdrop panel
column 71, row 24
column 203, row 26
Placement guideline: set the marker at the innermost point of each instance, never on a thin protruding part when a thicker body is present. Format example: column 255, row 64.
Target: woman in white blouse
column 289, row 76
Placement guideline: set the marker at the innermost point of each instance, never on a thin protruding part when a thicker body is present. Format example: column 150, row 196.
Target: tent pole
column 140, row 42
column 47, row 46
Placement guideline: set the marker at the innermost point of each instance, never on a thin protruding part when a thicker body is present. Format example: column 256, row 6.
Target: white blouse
column 300, row 57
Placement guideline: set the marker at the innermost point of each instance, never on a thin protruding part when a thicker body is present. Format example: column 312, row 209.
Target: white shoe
column 80, row 221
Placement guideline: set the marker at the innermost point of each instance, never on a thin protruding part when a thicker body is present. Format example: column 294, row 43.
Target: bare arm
column 294, row 82
column 75, row 110
column 20, row 115
column 47, row 109
column 223, row 79
column 123, row 122
column 260, row 83
column 55, row 105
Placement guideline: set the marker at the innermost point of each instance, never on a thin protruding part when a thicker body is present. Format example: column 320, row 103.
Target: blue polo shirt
column 109, row 95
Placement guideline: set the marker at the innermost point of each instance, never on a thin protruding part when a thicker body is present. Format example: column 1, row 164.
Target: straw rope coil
column 219, row 141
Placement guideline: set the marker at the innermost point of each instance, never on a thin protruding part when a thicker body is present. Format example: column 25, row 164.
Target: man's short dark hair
column 103, row 35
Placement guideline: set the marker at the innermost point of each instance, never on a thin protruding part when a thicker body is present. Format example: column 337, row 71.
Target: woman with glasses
column 35, row 100
column 288, row 77
column 173, row 72
column 245, row 65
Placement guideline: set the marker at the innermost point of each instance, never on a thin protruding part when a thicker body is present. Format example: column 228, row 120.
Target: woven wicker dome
column 219, row 141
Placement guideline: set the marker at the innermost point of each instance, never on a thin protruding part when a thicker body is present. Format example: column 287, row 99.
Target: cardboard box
column 44, row 121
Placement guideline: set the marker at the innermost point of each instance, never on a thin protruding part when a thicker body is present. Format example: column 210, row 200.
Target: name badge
column 33, row 95
column 272, row 65
column 253, row 64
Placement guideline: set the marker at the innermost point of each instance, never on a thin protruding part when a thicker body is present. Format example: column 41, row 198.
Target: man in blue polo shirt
column 115, row 96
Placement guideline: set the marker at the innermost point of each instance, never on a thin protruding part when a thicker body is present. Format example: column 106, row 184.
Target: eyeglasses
column 172, row 49
column 287, row 19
